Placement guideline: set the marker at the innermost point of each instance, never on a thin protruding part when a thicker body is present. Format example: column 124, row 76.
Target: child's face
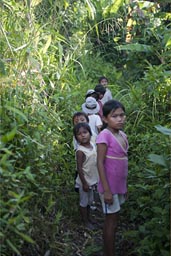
column 83, row 136
column 115, row 119
column 80, row 119
column 101, row 96
column 104, row 82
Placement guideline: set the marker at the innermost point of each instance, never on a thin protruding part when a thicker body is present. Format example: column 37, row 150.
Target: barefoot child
column 112, row 162
column 87, row 170
column 81, row 117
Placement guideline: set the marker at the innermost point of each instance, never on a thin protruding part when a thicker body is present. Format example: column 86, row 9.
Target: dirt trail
column 84, row 242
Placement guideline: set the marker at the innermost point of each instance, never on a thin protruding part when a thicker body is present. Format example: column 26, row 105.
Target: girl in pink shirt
column 112, row 162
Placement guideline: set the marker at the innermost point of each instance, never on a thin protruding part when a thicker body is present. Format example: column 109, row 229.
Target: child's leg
column 85, row 217
column 84, row 214
column 84, row 208
column 109, row 232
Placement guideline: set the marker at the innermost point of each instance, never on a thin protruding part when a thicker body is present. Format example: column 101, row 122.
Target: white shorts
column 86, row 198
column 118, row 199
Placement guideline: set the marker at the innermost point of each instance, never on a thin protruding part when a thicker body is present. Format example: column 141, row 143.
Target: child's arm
column 101, row 153
column 80, row 160
column 98, row 123
column 99, row 128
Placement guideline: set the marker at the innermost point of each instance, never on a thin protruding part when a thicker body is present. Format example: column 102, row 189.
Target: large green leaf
column 113, row 8
column 116, row 5
column 135, row 47
column 163, row 130
column 157, row 159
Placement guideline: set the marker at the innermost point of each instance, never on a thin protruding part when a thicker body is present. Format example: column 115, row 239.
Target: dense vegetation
column 51, row 53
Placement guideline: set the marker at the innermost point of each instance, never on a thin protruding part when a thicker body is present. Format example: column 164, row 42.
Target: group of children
column 101, row 149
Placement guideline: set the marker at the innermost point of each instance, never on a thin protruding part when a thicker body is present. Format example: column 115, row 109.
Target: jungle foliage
column 52, row 52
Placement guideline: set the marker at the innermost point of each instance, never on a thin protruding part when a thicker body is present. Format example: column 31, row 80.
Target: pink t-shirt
column 116, row 162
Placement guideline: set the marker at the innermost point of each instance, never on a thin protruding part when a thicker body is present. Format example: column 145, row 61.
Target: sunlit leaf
column 135, row 48
column 167, row 40
column 9, row 136
column 45, row 48
column 35, row 2
column 113, row 8
column 91, row 9
column 116, row 5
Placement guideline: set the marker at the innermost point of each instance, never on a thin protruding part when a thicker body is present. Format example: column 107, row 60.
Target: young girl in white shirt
column 86, row 157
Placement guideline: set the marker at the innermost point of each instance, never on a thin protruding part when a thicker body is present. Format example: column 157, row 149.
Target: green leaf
column 25, row 237
column 135, row 48
column 157, row 159
column 35, row 2
column 113, row 8
column 91, row 9
column 1, row 234
column 17, row 111
column 167, row 39
column 12, row 247
column 131, row 233
column 2, row 68
column 142, row 229
column 48, row 43
column 164, row 253
column 28, row 174
column 9, row 136
column 163, row 130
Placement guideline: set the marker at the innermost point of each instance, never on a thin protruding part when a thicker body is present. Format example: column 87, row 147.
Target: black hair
column 101, row 78
column 93, row 94
column 100, row 89
column 76, row 114
column 112, row 105
column 81, row 125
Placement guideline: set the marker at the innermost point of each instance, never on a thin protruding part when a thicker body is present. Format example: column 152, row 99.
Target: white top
column 94, row 122
column 107, row 96
column 89, row 166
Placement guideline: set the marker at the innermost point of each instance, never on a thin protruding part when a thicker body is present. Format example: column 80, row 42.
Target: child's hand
column 108, row 197
column 85, row 187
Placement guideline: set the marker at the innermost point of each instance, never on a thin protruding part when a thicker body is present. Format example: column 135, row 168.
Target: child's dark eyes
column 120, row 115
column 84, row 132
